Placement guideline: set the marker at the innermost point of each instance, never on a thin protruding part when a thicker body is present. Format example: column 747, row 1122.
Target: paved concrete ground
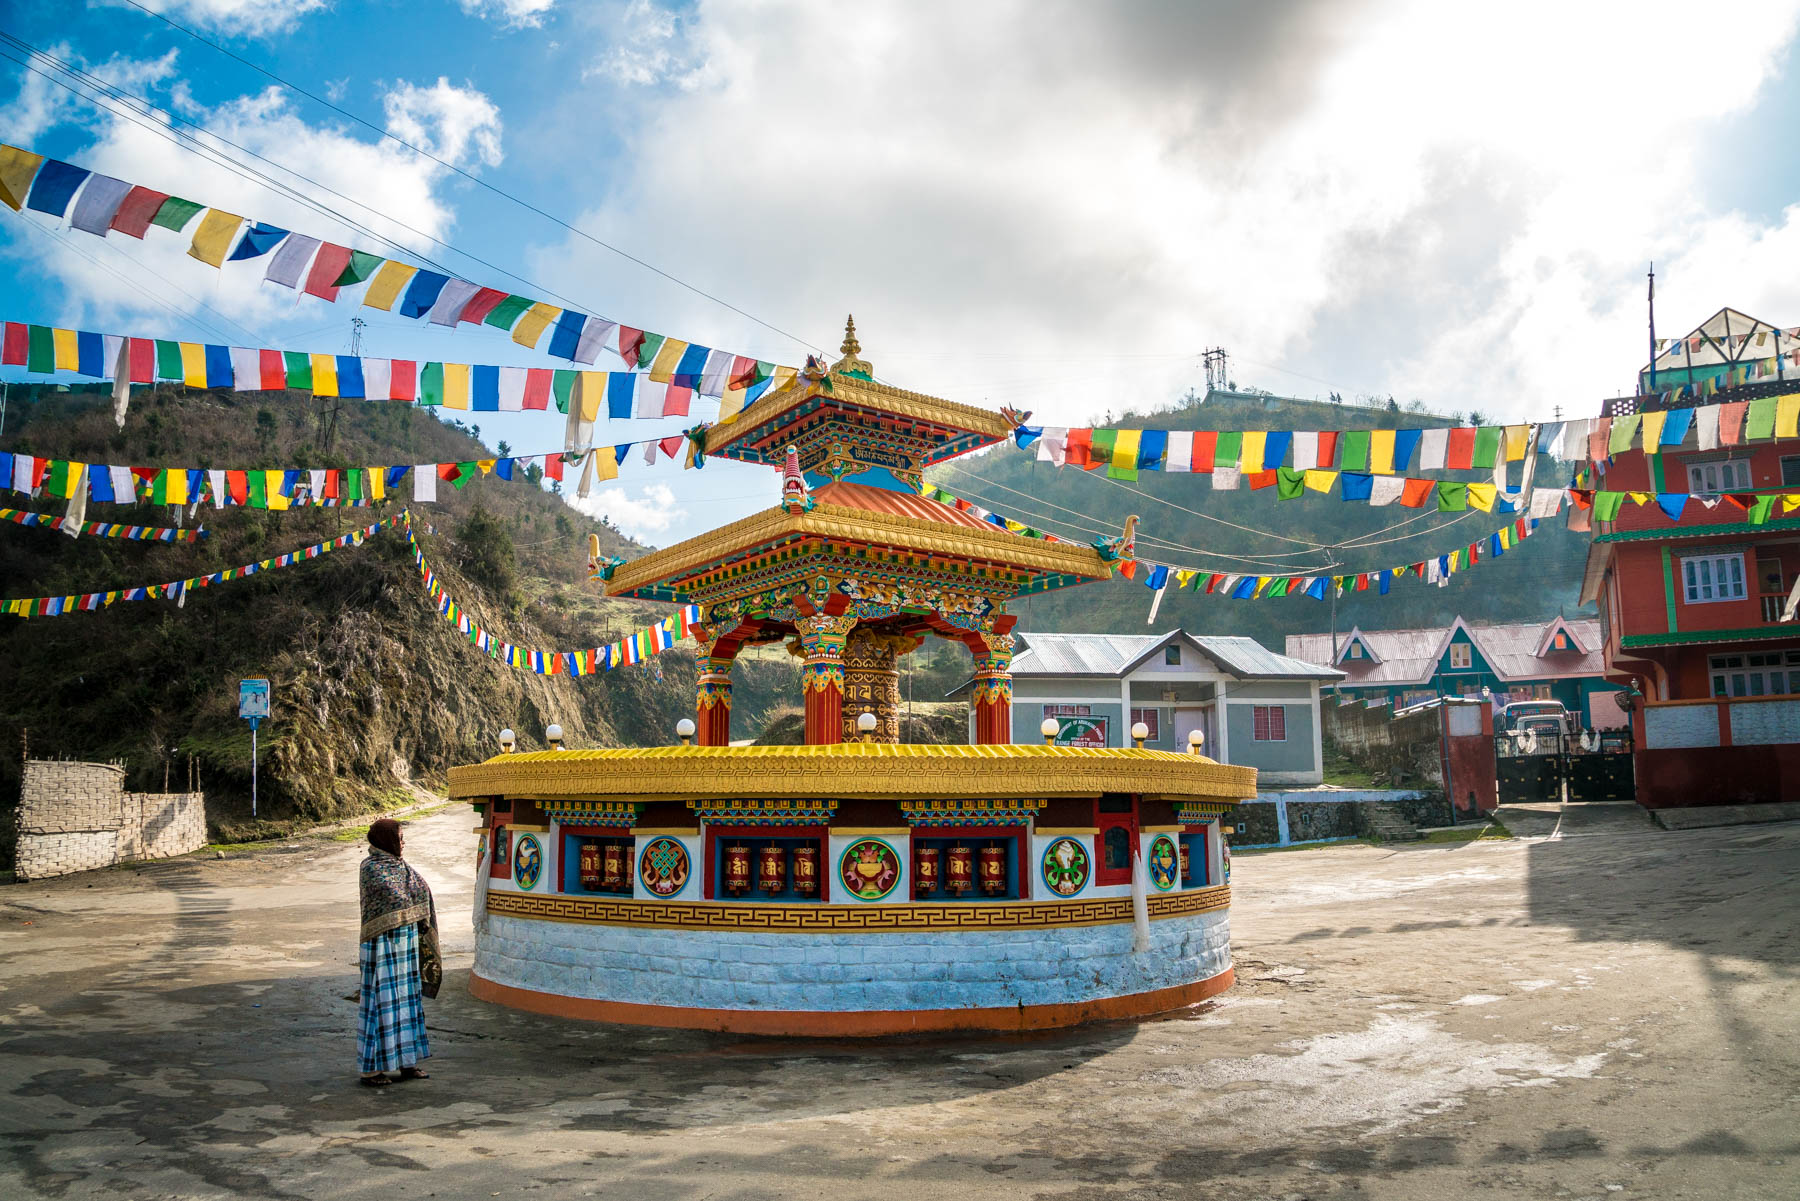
column 1610, row 1015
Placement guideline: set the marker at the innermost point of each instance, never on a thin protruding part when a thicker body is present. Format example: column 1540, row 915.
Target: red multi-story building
column 1690, row 609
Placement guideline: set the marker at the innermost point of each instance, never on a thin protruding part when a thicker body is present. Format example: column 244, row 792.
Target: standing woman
column 399, row 959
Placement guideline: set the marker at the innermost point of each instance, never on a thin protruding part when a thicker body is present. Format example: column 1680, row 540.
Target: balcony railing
column 1772, row 603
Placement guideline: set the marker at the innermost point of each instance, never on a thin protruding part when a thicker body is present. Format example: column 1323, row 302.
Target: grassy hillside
column 1184, row 522
column 371, row 688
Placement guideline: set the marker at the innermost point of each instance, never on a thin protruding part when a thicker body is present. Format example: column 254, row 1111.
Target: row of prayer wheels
column 959, row 863
column 603, row 867
column 772, row 869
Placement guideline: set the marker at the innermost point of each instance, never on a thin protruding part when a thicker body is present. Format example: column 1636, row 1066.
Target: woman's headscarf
column 393, row 894
column 386, row 835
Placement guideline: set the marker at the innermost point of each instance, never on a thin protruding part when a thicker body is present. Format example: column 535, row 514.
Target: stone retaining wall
column 74, row 817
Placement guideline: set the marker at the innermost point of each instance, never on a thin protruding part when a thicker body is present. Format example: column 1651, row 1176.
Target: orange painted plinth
column 853, row 1023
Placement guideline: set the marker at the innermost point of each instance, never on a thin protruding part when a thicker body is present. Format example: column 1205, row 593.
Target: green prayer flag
column 360, row 267
column 507, row 312
column 431, row 384
column 647, row 351
column 464, row 473
column 1607, row 505
column 1100, row 450
column 353, row 484
column 1624, row 432
column 1278, row 588
column 1289, row 484
column 1761, row 509
column 168, row 360
column 1356, row 450
column 1487, row 446
column 1761, row 422
column 562, row 386
column 257, row 489
column 175, row 213
column 40, row 357
column 299, row 370
column 1229, row 447
column 1452, row 497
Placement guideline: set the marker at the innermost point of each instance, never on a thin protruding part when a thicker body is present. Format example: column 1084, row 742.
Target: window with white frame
column 1707, row 578
column 1152, row 719
column 1767, row 673
column 1269, row 723
column 1461, row 656
column 1719, row 475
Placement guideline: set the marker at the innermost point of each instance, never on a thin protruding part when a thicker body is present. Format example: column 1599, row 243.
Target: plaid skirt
column 392, row 1034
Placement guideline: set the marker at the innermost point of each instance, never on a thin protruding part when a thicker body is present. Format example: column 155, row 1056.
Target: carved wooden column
column 993, row 689
column 872, row 682
column 821, row 651
column 712, row 704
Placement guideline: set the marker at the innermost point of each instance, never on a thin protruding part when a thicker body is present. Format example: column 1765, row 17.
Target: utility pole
column 1218, row 372
column 1651, row 390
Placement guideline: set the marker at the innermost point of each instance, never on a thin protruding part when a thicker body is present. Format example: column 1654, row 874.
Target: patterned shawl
column 394, row 895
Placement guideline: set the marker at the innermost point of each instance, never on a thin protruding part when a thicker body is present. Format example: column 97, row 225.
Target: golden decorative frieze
column 860, row 769
column 823, row 918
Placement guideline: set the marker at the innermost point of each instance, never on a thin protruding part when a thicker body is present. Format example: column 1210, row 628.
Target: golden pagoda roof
column 853, row 769
column 838, row 523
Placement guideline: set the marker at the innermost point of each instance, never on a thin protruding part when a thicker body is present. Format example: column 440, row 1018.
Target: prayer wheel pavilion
column 853, row 885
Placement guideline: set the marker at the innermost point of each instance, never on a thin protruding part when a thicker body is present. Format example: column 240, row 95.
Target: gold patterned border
column 853, row 769
column 1002, row 915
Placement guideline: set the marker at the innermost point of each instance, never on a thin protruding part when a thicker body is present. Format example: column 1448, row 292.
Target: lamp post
column 1049, row 729
column 684, row 730
column 1139, row 732
column 865, row 725
column 553, row 736
column 508, row 740
column 1196, row 740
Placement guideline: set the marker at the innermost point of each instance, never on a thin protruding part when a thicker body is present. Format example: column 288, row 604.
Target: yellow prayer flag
column 1518, row 442
column 1125, row 449
column 1639, row 498
column 214, row 237
column 324, row 375
column 1506, row 537
column 1482, row 496
column 1787, row 416
column 668, row 356
column 385, row 288
column 780, row 380
column 731, row 404
column 1320, row 481
column 377, row 489
column 486, row 465
column 1262, row 581
column 1381, row 452
column 175, row 489
column 68, row 354
column 532, row 325
column 456, row 385
column 1789, row 502
column 272, row 481
column 17, row 169
column 606, row 463
column 592, row 387
column 1652, row 428
column 1250, row 453
column 193, row 364
column 1183, row 578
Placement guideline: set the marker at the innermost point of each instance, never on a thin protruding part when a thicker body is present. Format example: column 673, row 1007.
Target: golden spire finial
column 852, row 351
column 851, row 346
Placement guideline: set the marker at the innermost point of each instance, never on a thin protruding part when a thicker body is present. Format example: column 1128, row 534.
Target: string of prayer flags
column 323, row 269
column 177, row 590
column 633, row 648
column 103, row 529
column 1125, row 452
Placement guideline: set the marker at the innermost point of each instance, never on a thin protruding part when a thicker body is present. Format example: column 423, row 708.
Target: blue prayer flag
column 1672, row 503
column 1153, row 447
column 566, row 337
column 422, row 293
column 397, row 473
column 1158, row 577
column 621, row 391
column 218, row 369
column 350, row 376
column 1675, row 426
column 55, row 184
column 257, row 241
column 100, row 486
column 503, row 468
column 1405, row 442
column 1025, row 435
column 692, row 364
column 1275, row 448
column 1357, row 485
column 484, row 385
column 90, row 353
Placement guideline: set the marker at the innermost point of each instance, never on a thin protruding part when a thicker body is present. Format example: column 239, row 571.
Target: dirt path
column 1606, row 1016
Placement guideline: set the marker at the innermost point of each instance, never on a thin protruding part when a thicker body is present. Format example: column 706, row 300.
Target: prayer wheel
column 771, row 868
column 590, row 866
column 925, row 870
column 737, row 870
column 959, row 870
column 614, row 877
column 993, row 868
column 1187, row 865
column 806, row 869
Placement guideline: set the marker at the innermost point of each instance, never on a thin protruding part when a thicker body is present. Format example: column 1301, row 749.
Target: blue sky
column 1047, row 205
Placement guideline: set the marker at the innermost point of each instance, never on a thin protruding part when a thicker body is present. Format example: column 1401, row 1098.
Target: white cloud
column 517, row 14
column 255, row 18
column 459, row 125
column 653, row 511
column 654, row 53
column 1059, row 204
column 42, row 104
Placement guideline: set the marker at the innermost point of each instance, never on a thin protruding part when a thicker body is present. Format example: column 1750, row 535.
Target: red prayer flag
column 1362, row 582
column 1415, row 493
column 238, row 487
column 333, row 484
column 1213, row 581
column 743, row 372
column 1128, row 568
column 1328, row 441
column 447, row 471
column 17, row 342
column 1260, row 479
column 403, row 380
column 133, row 217
column 1461, row 456
column 675, row 401
column 537, row 389
column 1077, row 450
column 553, row 467
column 480, row 305
column 671, row 446
column 328, row 264
column 143, row 361
column 629, row 342
column 1206, row 446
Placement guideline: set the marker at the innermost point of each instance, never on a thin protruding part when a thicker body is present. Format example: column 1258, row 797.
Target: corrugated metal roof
column 1054, row 654
column 894, row 504
column 1411, row 656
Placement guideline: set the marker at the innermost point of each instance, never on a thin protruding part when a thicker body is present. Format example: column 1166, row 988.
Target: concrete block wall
column 730, row 969
column 74, row 817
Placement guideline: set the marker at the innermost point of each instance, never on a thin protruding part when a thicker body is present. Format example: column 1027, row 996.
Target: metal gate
column 1595, row 765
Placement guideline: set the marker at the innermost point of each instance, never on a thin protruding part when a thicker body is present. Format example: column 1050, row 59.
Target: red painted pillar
column 712, row 708
column 821, row 649
column 993, row 690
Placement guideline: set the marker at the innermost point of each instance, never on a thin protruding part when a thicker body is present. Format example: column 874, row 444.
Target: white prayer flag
column 425, row 480
column 1180, row 455
column 1306, row 450
column 512, row 389
column 1225, row 479
column 1434, row 445
column 378, row 383
column 1385, row 489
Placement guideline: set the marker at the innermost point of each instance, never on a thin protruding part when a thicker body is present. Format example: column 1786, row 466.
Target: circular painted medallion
column 664, row 867
column 528, row 861
column 869, row 869
column 1165, row 863
column 1066, row 866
